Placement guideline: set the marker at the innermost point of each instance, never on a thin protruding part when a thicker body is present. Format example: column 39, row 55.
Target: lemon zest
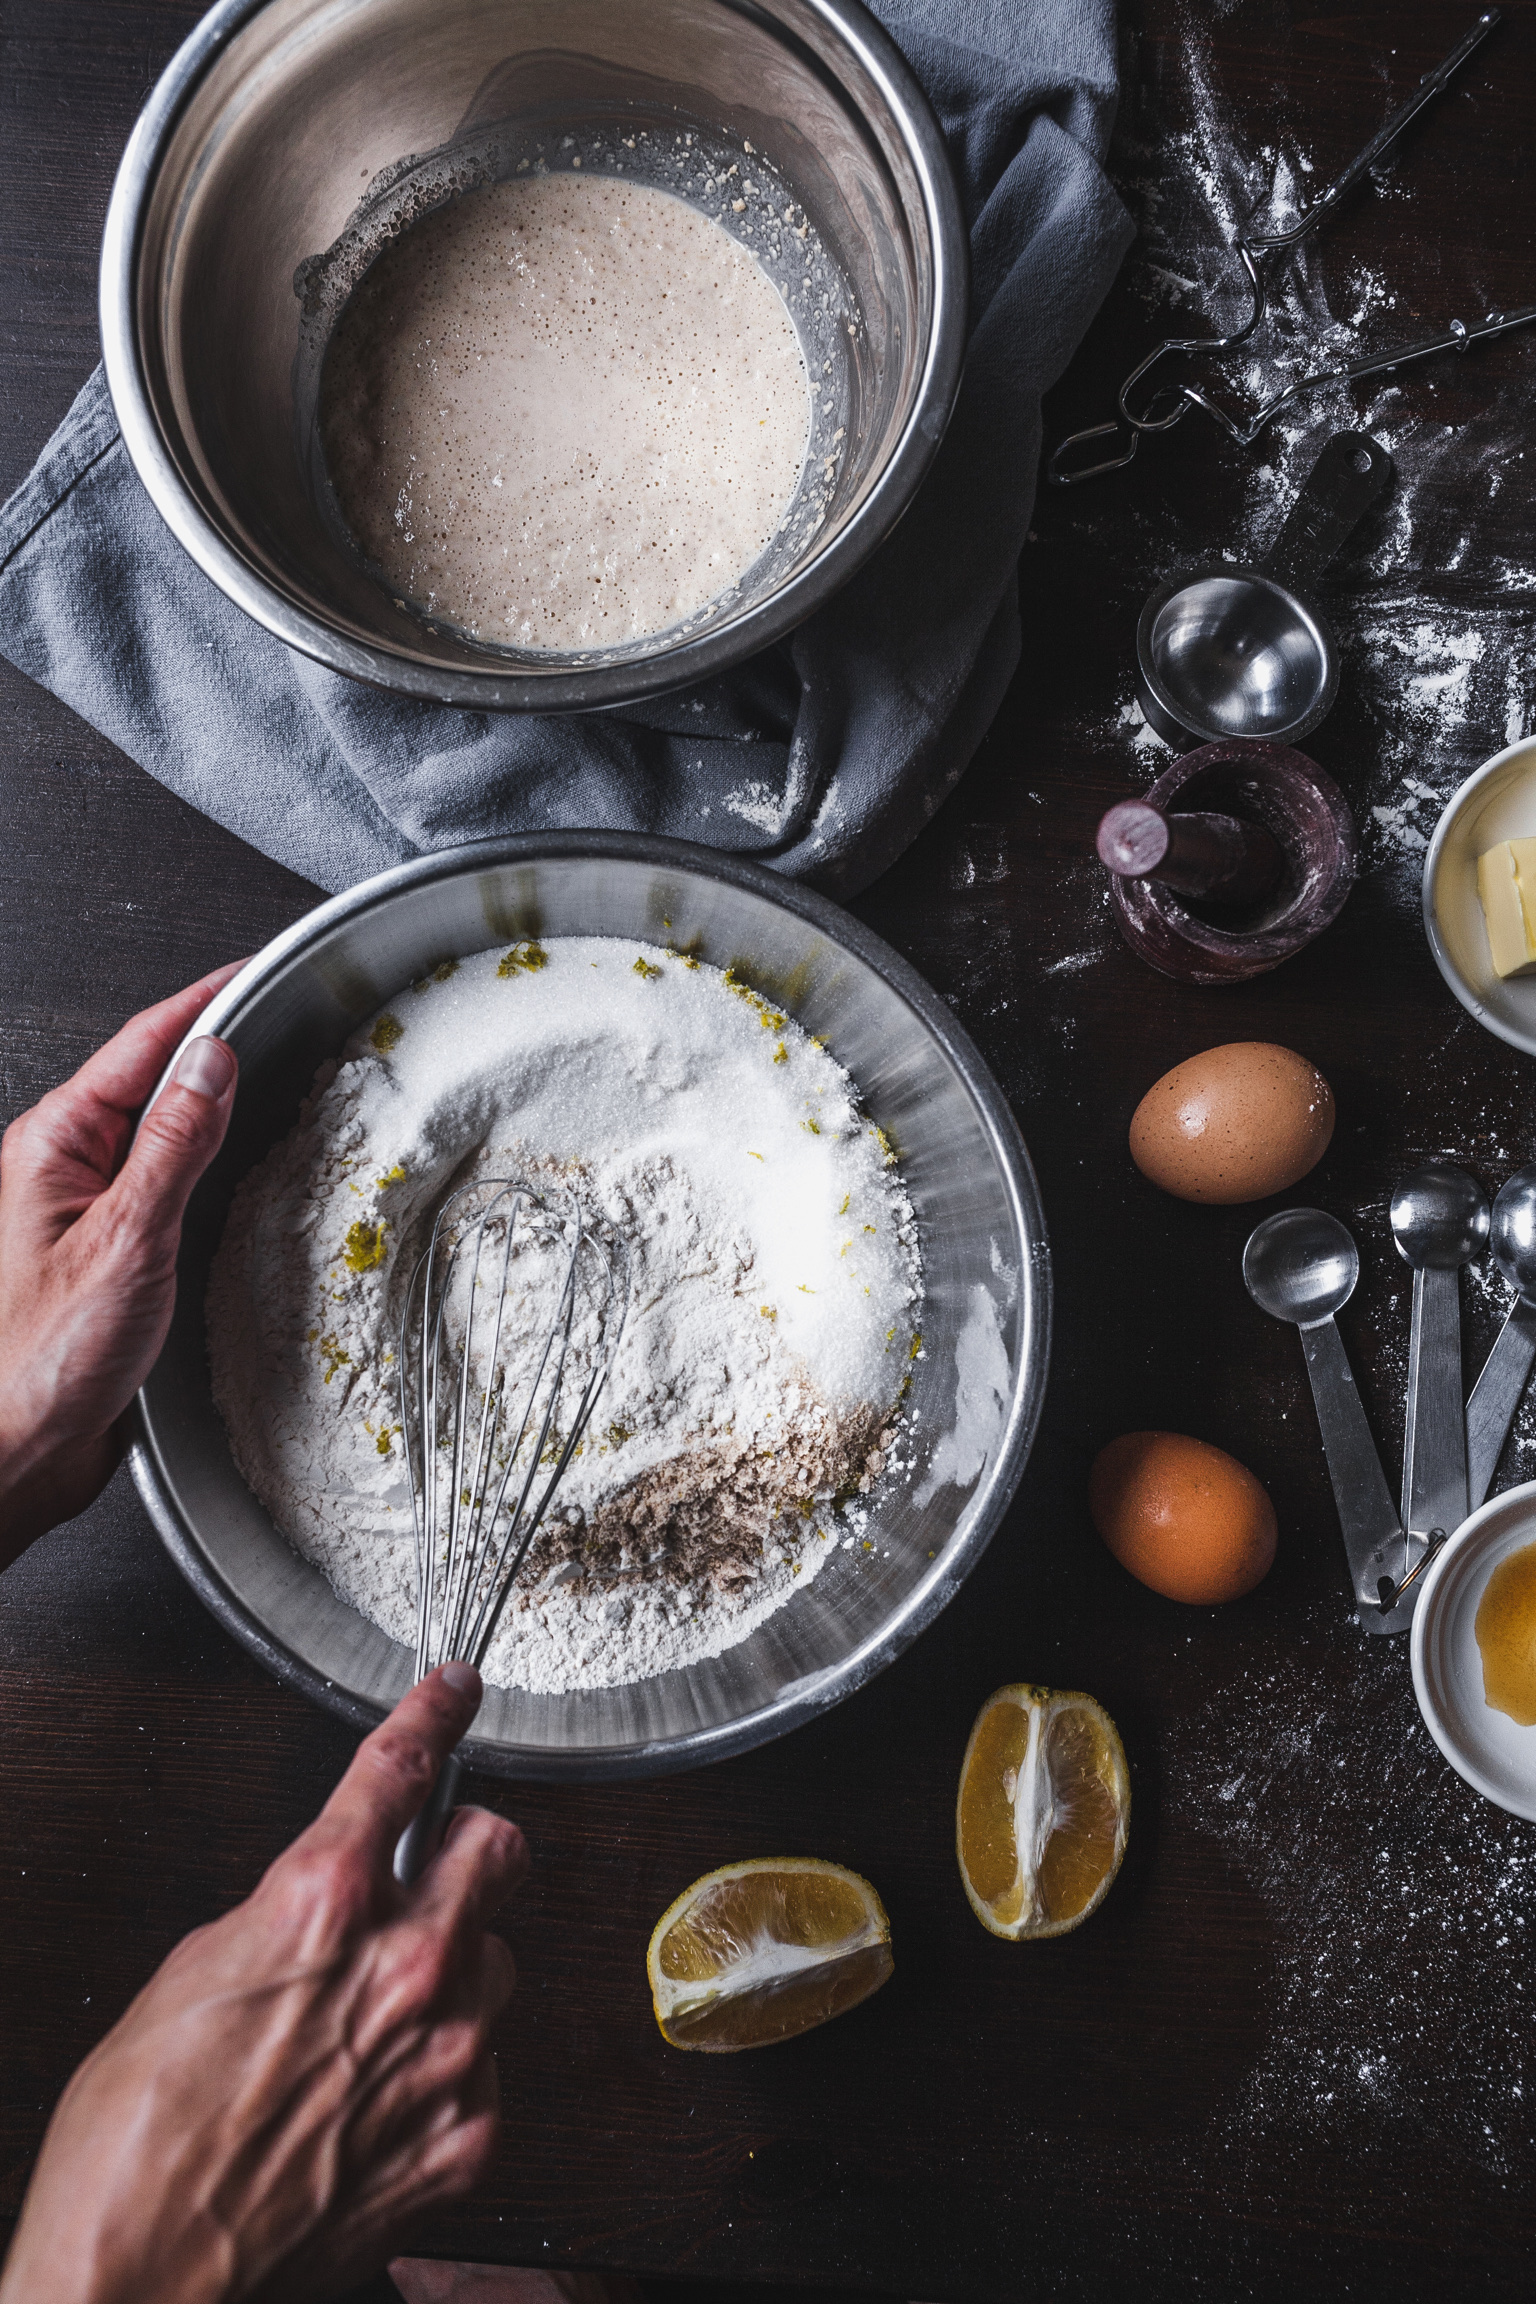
column 438, row 975
column 771, row 1019
column 364, row 1249
column 525, row 959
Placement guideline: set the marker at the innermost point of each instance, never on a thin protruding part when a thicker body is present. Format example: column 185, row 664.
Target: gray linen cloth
column 825, row 755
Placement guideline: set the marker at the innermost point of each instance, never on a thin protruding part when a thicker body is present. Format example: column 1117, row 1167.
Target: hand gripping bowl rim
column 996, row 1486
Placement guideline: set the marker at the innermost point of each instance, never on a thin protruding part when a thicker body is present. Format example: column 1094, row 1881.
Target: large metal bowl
column 986, row 1321
column 287, row 135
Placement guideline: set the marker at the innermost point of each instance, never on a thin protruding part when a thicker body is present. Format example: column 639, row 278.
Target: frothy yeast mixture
column 564, row 411
column 775, row 1286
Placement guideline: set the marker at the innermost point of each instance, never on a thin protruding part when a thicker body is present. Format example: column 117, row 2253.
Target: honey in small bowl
column 1506, row 1635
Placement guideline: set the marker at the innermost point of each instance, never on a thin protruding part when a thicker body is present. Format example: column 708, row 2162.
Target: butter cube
column 1506, row 889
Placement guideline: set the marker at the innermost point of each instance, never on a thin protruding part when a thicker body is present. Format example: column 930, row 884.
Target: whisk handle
column 423, row 1836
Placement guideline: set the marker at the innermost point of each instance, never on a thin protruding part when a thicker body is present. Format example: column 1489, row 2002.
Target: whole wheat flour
column 774, row 1292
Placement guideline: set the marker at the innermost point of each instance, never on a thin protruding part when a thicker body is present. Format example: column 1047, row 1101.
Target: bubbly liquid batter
column 565, row 412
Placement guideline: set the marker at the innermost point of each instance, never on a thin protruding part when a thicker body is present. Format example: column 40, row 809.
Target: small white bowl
column 1494, row 1754
column 1497, row 802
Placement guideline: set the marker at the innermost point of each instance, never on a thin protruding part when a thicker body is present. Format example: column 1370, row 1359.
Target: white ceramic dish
column 1494, row 1754
column 1496, row 803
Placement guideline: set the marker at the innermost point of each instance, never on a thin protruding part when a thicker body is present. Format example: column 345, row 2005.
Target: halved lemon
column 757, row 1952
column 1045, row 1802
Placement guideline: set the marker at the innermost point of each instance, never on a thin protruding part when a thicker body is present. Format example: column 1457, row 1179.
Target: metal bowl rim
column 1509, row 1033
column 597, row 686
column 1234, row 571
column 999, row 1483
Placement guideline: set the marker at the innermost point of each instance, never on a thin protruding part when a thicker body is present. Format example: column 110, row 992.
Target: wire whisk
column 508, row 1332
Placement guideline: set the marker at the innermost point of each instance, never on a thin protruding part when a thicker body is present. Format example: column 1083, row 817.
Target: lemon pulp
column 1043, row 1809
column 758, row 1952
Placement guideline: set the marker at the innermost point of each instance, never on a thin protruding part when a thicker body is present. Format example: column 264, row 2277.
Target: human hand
column 89, row 1230
column 305, row 2077
column 423, row 2280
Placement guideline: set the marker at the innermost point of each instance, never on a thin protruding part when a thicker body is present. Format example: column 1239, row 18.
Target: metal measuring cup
column 1224, row 650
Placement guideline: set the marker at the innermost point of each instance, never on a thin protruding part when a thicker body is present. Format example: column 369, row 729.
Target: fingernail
column 462, row 1678
column 207, row 1067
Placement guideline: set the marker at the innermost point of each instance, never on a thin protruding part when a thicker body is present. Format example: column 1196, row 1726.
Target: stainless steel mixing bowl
column 977, row 1388
column 287, row 136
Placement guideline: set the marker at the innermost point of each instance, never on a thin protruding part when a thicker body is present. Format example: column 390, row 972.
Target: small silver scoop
column 1227, row 651
column 1301, row 1265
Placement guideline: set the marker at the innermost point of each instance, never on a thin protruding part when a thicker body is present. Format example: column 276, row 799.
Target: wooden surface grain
column 1292, row 2050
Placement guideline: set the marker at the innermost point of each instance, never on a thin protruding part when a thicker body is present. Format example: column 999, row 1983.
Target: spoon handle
column 1373, row 1536
column 1435, row 1436
column 1349, row 475
column 1496, row 1396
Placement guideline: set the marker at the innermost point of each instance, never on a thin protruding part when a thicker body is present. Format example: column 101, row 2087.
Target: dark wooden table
column 1293, row 2049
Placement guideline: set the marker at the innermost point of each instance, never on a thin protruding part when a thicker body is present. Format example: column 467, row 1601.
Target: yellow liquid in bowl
column 1506, row 1634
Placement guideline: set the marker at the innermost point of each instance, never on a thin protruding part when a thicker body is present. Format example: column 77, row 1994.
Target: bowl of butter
column 1480, row 894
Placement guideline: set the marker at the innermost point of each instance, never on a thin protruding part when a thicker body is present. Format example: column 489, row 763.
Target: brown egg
column 1184, row 1517
column 1235, row 1123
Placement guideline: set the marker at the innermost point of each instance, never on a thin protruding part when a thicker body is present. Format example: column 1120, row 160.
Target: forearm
column 302, row 2078
column 67, row 2267
column 143, row 2176
column 42, row 1485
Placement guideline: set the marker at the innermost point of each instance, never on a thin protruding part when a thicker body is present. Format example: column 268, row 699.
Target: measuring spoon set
column 1302, row 1265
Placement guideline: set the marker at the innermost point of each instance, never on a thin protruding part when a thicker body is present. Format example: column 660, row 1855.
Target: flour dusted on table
column 1432, row 602
column 774, row 1292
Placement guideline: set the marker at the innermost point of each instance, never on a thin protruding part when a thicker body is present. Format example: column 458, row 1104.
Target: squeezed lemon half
column 757, row 1952
column 1044, row 1805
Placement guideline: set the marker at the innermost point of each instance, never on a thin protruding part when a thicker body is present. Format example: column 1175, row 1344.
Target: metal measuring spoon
column 1302, row 1266
column 1496, row 1394
column 1224, row 651
column 1440, row 1222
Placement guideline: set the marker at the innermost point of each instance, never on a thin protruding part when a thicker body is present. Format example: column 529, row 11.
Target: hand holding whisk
column 510, row 1326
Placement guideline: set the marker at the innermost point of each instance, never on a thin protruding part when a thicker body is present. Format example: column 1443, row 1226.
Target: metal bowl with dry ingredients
column 978, row 1385
column 287, row 144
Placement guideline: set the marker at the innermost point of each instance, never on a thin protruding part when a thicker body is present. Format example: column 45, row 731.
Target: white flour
column 774, row 1287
